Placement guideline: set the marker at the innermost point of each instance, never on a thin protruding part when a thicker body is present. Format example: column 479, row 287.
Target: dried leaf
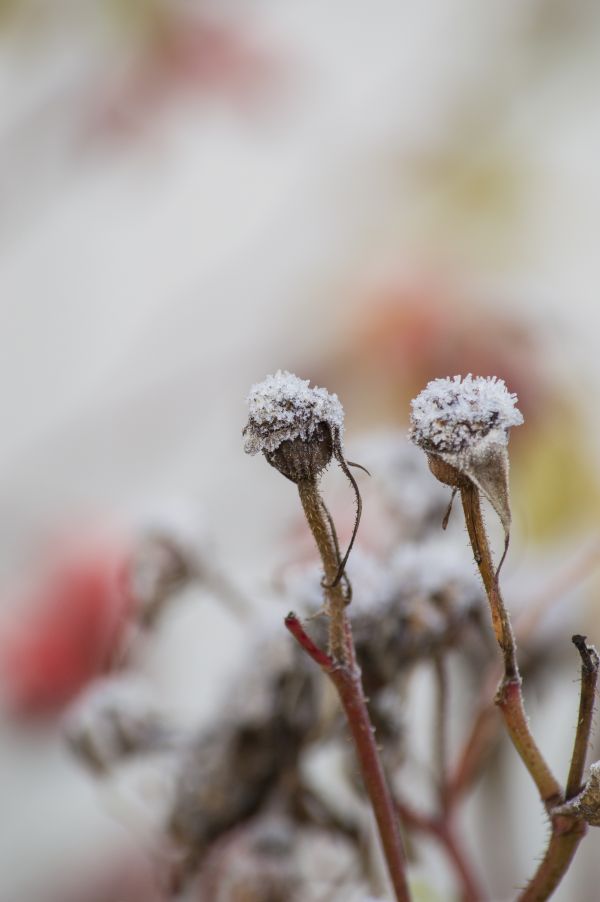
column 487, row 467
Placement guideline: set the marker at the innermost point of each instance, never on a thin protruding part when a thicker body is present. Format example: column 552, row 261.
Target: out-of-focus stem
column 346, row 680
column 442, row 830
column 481, row 738
column 441, row 727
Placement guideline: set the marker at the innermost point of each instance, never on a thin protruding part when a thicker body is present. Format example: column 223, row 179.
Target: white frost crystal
column 449, row 415
column 283, row 408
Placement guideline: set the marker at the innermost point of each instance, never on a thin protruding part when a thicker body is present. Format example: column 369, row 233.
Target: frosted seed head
column 463, row 424
column 450, row 415
column 296, row 427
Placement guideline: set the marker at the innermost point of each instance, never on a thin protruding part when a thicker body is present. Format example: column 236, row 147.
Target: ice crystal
column 283, row 408
column 450, row 415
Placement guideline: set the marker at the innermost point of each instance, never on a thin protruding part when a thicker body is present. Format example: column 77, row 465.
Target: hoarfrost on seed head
column 283, row 408
column 449, row 414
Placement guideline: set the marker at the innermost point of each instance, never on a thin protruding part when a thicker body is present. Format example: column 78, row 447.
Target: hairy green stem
column 444, row 832
column 567, row 832
column 566, row 835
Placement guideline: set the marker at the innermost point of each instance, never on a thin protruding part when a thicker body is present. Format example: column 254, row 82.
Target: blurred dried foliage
column 244, row 819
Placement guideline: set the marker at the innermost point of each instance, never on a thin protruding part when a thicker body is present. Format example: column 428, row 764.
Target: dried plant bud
column 297, row 428
column 275, row 858
column 114, row 720
column 463, row 425
column 227, row 772
column 586, row 805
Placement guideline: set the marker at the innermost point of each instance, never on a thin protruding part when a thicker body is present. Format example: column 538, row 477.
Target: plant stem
column 441, row 728
column 347, row 681
column 323, row 530
column 509, row 697
column 340, row 665
column 587, row 697
column 477, row 746
column 567, row 832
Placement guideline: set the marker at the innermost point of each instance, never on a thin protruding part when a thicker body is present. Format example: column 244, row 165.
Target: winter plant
column 243, row 819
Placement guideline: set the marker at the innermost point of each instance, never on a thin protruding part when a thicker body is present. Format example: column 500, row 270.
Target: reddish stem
column 346, row 680
column 442, row 830
column 589, row 679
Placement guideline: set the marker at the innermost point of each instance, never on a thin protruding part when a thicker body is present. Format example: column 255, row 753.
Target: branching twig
column 441, row 727
column 442, row 830
column 481, row 738
column 348, row 684
column 567, row 832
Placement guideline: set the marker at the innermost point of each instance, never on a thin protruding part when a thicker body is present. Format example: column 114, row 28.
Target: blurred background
column 195, row 194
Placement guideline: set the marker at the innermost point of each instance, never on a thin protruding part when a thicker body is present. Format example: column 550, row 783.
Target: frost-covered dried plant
column 116, row 719
column 246, row 819
column 463, row 425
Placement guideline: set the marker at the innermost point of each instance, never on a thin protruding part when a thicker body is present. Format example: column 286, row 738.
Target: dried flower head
column 463, row 424
column 451, row 415
column 296, row 427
